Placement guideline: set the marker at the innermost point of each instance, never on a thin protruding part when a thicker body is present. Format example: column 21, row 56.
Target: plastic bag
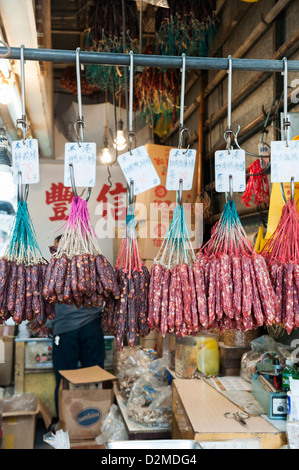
column 292, row 428
column 130, row 366
column 112, row 427
column 59, row 440
column 263, row 349
column 150, row 400
column 19, row 402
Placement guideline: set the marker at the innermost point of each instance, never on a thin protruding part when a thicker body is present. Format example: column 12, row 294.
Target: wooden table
column 198, row 413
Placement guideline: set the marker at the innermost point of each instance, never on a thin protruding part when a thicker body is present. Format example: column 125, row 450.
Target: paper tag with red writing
column 284, row 161
column 25, row 159
column 137, row 166
column 181, row 164
column 83, row 158
column 228, row 163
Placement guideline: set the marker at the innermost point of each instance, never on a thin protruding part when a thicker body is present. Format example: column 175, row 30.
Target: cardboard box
column 7, row 333
column 85, row 396
column 19, row 420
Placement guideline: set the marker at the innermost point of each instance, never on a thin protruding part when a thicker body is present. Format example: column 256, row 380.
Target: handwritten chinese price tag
column 137, row 166
column 180, row 166
column 25, row 159
column 83, row 158
column 284, row 161
column 232, row 163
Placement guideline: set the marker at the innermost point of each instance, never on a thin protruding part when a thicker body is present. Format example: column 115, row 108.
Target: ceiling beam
column 37, row 96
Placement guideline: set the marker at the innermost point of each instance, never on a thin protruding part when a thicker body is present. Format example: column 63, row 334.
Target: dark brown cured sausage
column 20, row 295
column 36, row 307
column 28, row 305
column 11, row 288
column 74, row 277
column 81, row 275
column 164, row 303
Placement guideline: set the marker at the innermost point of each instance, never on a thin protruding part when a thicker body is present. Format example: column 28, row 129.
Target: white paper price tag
column 137, row 166
column 25, row 159
column 83, row 158
column 230, row 163
column 181, row 164
column 284, row 161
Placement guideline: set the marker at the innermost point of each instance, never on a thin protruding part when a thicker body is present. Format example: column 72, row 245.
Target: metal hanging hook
column 74, row 189
column 79, row 124
column 228, row 133
column 22, row 197
column 182, row 128
column 231, row 190
column 131, row 193
column 24, row 125
column 23, row 120
column 131, row 133
column 180, row 193
column 286, row 122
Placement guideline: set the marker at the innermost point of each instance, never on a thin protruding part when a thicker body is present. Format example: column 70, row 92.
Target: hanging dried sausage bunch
column 22, row 274
column 233, row 285
column 128, row 314
column 282, row 255
column 172, row 299
column 78, row 273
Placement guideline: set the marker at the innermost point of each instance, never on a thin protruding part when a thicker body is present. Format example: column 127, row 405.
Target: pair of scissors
column 239, row 416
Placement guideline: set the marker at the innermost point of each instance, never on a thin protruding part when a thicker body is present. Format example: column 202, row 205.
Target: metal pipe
column 157, row 61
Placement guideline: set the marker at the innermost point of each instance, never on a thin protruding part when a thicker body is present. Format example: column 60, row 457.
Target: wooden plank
column 209, row 419
column 19, row 366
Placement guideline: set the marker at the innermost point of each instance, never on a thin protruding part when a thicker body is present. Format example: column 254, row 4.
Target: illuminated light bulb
column 106, row 156
column 120, row 142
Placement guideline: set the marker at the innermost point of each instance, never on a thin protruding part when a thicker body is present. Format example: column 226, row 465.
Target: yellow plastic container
column 208, row 354
column 197, row 354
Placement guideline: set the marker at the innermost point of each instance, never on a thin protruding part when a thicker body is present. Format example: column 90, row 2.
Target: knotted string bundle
column 257, row 186
column 233, row 285
column 128, row 314
column 78, row 273
column 172, row 299
column 22, row 274
column 282, row 255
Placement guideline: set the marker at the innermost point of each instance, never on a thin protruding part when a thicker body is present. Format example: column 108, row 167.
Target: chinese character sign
column 118, row 209
column 284, row 161
column 59, row 198
column 230, row 163
column 25, row 159
column 180, row 166
column 83, row 158
column 137, row 166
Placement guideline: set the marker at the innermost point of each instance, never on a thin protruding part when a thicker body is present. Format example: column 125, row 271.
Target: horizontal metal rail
column 158, row 61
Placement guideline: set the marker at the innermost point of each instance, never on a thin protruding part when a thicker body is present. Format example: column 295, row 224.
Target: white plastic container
column 293, row 407
column 294, row 386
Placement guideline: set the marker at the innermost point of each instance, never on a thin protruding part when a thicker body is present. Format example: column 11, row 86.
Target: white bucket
column 293, row 407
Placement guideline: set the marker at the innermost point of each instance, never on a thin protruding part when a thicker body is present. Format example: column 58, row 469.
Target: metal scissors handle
column 239, row 416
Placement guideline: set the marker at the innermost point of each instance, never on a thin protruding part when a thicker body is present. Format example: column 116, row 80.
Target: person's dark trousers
column 85, row 345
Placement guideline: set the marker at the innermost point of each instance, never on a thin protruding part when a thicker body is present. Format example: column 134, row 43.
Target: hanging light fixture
column 106, row 156
column 120, row 141
column 5, row 163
